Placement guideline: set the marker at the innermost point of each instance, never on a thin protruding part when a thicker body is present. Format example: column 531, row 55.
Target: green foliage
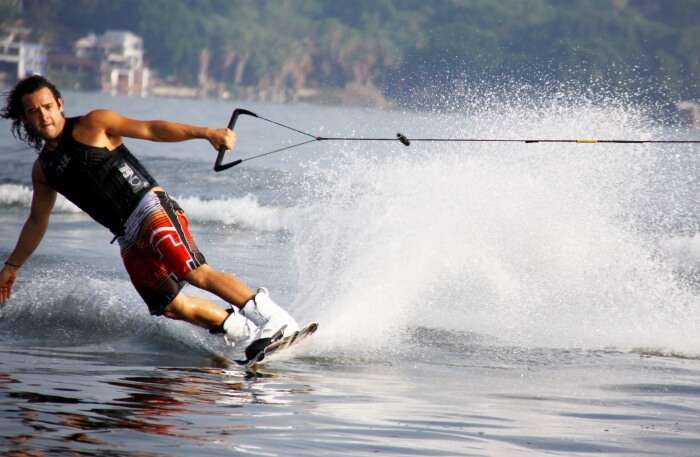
column 9, row 12
column 397, row 44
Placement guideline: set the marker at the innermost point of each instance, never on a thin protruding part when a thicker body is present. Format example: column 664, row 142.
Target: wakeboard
column 257, row 354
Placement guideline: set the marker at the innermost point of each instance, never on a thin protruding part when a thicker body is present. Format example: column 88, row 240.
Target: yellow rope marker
column 587, row 140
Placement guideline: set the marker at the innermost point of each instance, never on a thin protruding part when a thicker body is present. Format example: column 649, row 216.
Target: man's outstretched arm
column 104, row 125
column 32, row 233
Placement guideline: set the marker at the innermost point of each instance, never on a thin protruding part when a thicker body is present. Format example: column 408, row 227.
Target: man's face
column 43, row 114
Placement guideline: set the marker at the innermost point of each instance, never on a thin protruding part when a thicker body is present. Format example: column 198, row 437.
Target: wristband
column 13, row 265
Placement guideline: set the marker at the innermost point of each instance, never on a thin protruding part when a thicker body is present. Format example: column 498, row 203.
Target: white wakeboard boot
column 238, row 330
column 269, row 318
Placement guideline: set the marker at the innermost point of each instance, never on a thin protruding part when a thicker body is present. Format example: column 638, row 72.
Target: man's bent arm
column 32, row 233
column 34, row 228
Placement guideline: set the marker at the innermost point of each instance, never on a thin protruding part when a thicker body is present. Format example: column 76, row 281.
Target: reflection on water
column 103, row 412
column 429, row 405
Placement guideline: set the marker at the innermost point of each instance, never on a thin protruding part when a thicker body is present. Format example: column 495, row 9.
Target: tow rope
column 403, row 139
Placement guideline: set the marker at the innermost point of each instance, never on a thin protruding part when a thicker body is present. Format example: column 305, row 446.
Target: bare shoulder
column 115, row 126
column 40, row 183
column 94, row 127
column 99, row 119
column 38, row 176
column 39, row 180
column 43, row 197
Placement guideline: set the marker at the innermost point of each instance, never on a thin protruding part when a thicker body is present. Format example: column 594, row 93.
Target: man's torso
column 106, row 184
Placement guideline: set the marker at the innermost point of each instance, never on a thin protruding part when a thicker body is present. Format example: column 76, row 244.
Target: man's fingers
column 224, row 138
column 232, row 138
column 5, row 290
column 228, row 139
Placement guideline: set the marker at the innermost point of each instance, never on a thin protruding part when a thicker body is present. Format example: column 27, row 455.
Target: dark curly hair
column 14, row 108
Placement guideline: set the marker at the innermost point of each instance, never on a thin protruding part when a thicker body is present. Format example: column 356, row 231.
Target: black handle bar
column 218, row 166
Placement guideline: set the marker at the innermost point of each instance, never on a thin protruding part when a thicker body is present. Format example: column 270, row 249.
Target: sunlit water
column 474, row 299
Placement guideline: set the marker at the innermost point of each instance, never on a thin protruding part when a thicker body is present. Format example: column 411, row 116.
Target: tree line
column 400, row 47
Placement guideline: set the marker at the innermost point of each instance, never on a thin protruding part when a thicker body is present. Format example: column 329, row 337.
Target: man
column 84, row 159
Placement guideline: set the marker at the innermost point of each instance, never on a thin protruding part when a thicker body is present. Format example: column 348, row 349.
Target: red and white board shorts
column 158, row 250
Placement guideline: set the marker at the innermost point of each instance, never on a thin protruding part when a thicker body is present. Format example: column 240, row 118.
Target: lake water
column 480, row 299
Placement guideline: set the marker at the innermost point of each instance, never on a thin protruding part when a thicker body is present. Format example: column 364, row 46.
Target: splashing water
column 536, row 245
column 21, row 196
column 245, row 212
column 55, row 310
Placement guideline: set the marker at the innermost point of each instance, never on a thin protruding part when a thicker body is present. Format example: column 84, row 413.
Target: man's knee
column 176, row 309
column 200, row 277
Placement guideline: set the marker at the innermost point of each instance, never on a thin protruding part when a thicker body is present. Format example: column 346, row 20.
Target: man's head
column 35, row 108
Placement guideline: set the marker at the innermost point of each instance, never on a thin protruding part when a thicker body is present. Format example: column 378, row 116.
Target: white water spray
column 531, row 244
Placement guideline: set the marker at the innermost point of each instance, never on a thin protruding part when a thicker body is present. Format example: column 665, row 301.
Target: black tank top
column 106, row 184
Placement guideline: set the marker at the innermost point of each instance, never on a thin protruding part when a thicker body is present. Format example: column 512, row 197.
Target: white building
column 18, row 56
column 120, row 56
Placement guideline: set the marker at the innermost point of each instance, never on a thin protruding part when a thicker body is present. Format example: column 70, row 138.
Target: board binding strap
column 261, row 349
